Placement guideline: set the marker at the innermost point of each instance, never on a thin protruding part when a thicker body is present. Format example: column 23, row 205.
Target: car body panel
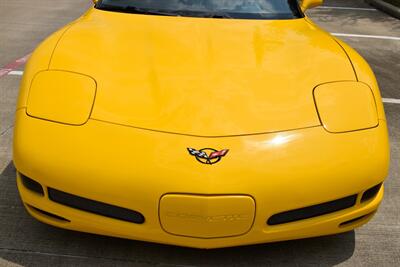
column 69, row 102
column 134, row 168
column 39, row 61
column 366, row 75
column 362, row 70
column 147, row 81
column 337, row 101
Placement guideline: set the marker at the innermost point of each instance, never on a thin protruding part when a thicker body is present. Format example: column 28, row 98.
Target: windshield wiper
column 136, row 10
column 139, row 10
column 217, row 15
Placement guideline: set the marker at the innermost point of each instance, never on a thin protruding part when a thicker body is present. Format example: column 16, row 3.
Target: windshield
column 239, row 9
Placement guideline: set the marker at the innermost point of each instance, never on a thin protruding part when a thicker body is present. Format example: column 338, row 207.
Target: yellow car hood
column 203, row 77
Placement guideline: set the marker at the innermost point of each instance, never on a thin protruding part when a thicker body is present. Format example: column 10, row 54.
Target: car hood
column 203, row 77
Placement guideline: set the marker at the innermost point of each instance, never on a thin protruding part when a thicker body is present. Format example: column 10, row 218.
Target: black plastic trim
column 48, row 214
column 312, row 211
column 346, row 223
column 32, row 185
column 95, row 207
column 371, row 193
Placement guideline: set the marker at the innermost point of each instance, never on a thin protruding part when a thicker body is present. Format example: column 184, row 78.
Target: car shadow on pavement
column 9, row 170
column 24, row 241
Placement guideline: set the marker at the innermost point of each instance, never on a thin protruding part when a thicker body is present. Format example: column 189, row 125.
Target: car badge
column 208, row 155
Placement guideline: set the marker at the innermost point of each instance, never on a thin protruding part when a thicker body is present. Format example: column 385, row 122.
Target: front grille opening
column 95, row 207
column 312, row 211
column 48, row 214
column 371, row 193
column 355, row 220
column 31, row 185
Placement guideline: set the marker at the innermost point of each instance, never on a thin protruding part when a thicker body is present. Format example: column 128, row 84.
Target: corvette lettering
column 211, row 218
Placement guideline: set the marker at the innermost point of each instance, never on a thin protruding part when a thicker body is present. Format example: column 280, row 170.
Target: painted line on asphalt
column 391, row 100
column 13, row 65
column 16, row 72
column 383, row 37
column 347, row 8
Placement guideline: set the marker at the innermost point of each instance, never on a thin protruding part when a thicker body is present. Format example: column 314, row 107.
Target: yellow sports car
column 200, row 123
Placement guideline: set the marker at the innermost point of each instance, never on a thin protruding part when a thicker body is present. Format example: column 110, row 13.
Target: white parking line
column 391, row 100
column 347, row 8
column 16, row 72
column 366, row 36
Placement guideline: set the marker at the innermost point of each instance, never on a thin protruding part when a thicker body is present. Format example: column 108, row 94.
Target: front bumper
column 134, row 169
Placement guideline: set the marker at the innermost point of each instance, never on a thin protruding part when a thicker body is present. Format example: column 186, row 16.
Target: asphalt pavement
column 27, row 242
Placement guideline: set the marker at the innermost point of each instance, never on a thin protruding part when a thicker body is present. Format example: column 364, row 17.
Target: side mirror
column 95, row 1
column 307, row 4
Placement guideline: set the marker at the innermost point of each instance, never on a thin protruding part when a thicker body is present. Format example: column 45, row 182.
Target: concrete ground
column 24, row 241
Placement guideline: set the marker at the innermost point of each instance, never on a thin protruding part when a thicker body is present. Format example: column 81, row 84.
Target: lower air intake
column 32, row 185
column 312, row 211
column 371, row 193
column 95, row 207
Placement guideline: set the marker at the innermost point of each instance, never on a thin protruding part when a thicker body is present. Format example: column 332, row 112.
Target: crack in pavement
column 6, row 130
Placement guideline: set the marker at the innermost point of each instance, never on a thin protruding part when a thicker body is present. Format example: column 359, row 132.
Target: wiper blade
column 217, row 15
column 178, row 13
column 137, row 10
